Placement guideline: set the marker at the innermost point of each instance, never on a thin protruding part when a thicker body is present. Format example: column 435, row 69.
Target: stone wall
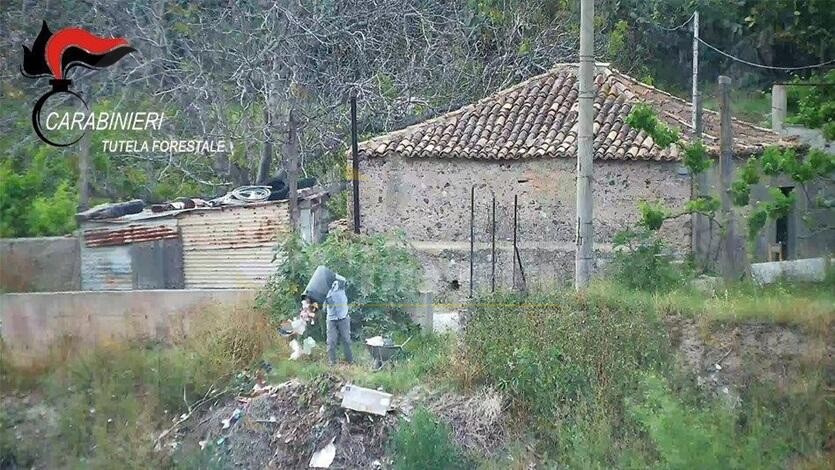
column 35, row 326
column 430, row 201
column 43, row 264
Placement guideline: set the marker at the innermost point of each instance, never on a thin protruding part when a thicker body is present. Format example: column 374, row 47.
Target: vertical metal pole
column 472, row 234
column 493, row 249
column 729, row 267
column 584, row 242
column 515, row 218
column 355, row 174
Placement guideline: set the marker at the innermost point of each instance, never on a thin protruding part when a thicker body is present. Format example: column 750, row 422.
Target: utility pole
column 697, row 105
column 584, row 248
column 729, row 266
column 699, row 223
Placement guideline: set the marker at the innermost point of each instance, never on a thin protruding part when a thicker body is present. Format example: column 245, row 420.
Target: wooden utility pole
column 729, row 266
column 584, row 248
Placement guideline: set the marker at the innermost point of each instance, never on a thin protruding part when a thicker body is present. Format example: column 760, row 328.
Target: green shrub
column 709, row 436
column 383, row 279
column 642, row 261
column 423, row 442
column 549, row 352
column 338, row 206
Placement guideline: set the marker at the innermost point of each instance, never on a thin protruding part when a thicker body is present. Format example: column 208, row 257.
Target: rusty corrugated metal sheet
column 106, row 268
column 232, row 247
column 131, row 234
column 106, row 262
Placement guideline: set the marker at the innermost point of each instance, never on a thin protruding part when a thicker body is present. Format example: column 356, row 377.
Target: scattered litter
column 323, row 458
column 232, row 419
column 308, row 344
column 304, row 349
column 717, row 366
column 366, row 400
column 202, row 444
column 375, row 341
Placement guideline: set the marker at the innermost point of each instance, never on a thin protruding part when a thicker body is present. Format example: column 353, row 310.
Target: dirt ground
column 282, row 426
column 728, row 359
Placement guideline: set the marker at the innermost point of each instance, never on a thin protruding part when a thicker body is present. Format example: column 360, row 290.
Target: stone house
column 520, row 144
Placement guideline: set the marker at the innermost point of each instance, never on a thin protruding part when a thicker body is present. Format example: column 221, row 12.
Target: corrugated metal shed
column 106, row 259
column 232, row 247
column 106, row 268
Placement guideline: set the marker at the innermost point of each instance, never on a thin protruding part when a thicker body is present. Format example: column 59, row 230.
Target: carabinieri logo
column 53, row 55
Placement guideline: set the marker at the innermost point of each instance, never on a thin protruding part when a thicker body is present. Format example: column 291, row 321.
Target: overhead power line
column 762, row 66
column 743, row 61
column 686, row 22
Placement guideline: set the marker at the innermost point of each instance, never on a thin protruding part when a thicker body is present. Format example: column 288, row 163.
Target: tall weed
column 424, row 442
column 552, row 351
column 114, row 399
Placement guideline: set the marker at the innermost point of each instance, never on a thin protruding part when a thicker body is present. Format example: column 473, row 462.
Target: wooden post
column 730, row 266
column 584, row 248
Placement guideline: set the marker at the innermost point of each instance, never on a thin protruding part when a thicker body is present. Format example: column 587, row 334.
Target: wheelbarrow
column 383, row 351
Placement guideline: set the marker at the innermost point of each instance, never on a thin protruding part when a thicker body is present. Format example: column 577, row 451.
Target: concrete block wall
column 33, row 326
column 42, row 264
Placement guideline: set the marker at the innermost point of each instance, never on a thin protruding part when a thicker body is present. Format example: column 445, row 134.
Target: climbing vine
column 774, row 162
column 695, row 158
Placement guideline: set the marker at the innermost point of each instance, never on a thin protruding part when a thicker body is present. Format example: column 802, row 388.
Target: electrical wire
column 743, row 61
column 686, row 22
column 762, row 66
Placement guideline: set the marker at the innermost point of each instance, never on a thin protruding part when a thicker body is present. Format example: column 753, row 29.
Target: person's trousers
column 339, row 330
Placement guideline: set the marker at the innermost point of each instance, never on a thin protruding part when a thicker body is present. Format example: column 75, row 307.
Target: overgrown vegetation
column 644, row 262
column 383, row 280
column 814, row 105
column 424, row 442
column 112, row 401
column 592, row 374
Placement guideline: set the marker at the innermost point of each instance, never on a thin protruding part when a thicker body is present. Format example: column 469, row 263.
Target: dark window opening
column 782, row 237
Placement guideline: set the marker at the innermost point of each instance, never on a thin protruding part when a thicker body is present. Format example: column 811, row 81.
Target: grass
column 595, row 378
column 112, row 401
column 424, row 442
column 423, row 357
column 810, row 306
column 590, row 376
column 753, row 106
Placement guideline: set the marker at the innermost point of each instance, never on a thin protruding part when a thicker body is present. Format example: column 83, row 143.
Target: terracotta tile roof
column 538, row 118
